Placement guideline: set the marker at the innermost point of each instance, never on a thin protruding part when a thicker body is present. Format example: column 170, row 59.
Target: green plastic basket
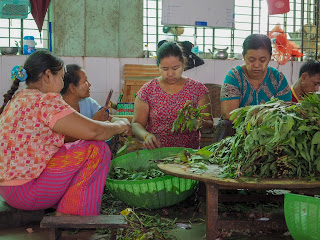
column 150, row 193
column 302, row 214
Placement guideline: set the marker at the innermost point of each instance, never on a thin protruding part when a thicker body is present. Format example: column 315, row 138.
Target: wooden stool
column 56, row 224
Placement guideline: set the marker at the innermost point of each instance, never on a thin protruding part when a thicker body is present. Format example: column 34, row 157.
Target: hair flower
column 19, row 72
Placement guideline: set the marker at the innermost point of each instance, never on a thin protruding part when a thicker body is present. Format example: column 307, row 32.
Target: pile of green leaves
column 120, row 173
column 189, row 118
column 273, row 140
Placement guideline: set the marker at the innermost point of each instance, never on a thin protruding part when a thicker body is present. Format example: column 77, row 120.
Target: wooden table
column 213, row 184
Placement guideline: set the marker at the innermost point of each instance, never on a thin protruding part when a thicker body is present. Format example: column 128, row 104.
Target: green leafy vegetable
column 273, row 140
column 189, row 118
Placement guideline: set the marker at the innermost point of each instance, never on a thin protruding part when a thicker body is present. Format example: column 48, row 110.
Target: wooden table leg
column 212, row 211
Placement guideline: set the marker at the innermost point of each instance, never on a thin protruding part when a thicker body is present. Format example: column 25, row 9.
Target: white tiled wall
column 107, row 73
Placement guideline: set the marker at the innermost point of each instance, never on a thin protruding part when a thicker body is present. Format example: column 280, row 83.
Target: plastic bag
column 284, row 49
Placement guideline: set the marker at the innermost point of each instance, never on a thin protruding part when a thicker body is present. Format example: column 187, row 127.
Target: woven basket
column 302, row 214
column 125, row 108
column 150, row 193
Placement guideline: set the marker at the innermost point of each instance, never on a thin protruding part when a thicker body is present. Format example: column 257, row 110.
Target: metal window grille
column 13, row 30
column 251, row 16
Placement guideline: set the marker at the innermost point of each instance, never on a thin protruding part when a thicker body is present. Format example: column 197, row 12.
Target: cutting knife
column 108, row 98
column 107, row 101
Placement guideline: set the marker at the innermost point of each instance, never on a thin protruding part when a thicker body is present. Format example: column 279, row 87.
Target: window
column 251, row 16
column 12, row 31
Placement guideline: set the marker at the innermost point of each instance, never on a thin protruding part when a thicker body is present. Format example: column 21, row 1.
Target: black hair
column 71, row 76
column 35, row 65
column 168, row 49
column 256, row 41
column 312, row 67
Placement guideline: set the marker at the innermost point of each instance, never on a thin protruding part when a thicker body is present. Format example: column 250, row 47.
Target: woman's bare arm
column 228, row 106
column 77, row 126
column 139, row 123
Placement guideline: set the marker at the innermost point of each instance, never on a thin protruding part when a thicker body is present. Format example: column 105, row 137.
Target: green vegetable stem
column 189, row 118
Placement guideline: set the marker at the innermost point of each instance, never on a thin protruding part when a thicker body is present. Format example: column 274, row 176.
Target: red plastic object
column 278, row 6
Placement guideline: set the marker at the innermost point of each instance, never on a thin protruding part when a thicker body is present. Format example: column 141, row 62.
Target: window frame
column 301, row 12
column 25, row 27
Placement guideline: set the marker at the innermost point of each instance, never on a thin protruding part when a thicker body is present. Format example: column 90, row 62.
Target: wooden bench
column 56, row 224
column 135, row 75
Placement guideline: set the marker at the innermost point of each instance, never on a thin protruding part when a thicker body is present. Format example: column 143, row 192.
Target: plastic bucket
column 28, row 45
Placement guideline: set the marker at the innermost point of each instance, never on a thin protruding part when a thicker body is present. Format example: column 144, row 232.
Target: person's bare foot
column 58, row 214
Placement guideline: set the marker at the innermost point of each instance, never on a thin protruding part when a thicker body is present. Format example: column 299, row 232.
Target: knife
column 108, row 98
column 107, row 101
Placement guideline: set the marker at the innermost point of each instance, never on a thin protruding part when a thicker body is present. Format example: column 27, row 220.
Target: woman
column 158, row 101
column 252, row 83
column 76, row 92
column 37, row 170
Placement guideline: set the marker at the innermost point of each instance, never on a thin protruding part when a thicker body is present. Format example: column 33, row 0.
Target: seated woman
column 252, row 83
column 76, row 92
column 37, row 169
column 158, row 101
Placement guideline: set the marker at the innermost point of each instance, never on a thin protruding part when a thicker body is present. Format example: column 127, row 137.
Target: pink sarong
column 73, row 181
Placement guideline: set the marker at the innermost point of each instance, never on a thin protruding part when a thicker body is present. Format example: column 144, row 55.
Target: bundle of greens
column 189, row 118
column 120, row 173
column 273, row 140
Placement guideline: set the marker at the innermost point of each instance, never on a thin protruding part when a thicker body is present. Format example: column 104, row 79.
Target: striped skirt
column 73, row 181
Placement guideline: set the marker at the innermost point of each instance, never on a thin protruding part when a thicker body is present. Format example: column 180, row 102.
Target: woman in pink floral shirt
column 159, row 100
column 37, row 169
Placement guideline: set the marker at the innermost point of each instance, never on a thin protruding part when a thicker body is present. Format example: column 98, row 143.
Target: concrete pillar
column 98, row 28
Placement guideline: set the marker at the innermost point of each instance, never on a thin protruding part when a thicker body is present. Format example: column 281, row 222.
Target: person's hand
column 125, row 127
column 101, row 115
column 151, row 141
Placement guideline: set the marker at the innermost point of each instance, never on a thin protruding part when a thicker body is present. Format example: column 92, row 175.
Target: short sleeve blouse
column 89, row 107
column 163, row 111
column 237, row 86
column 27, row 141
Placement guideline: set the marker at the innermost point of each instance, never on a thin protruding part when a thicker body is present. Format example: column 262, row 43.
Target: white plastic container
column 28, row 45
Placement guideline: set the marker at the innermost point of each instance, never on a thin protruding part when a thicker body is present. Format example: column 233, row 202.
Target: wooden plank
column 54, row 233
column 141, row 66
column 101, row 221
column 137, row 69
column 211, row 176
column 143, row 70
column 135, row 82
column 135, row 75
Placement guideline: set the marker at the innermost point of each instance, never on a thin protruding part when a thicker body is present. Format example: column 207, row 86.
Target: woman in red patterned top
column 37, row 169
column 158, row 101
